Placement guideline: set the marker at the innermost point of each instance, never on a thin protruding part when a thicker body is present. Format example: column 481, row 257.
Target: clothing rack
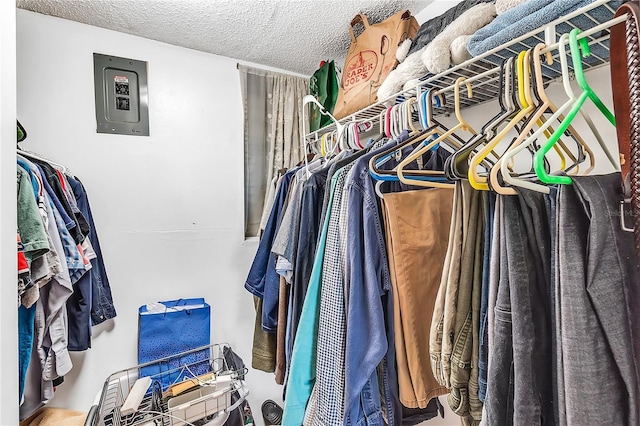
column 482, row 70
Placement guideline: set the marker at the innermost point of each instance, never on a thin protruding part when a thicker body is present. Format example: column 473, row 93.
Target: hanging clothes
column 352, row 232
column 58, row 254
column 431, row 265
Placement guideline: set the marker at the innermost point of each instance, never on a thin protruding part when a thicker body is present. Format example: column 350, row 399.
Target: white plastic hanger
column 339, row 127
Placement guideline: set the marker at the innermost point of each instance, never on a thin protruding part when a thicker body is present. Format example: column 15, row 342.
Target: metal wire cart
column 196, row 388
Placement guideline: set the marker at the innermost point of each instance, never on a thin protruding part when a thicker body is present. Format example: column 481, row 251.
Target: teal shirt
column 302, row 372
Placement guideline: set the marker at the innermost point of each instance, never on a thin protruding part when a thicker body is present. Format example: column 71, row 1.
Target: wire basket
column 212, row 398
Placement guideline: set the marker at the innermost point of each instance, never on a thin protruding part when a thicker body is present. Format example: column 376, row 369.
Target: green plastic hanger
column 588, row 93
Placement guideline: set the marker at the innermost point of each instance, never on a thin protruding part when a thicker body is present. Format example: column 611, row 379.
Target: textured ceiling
column 293, row 35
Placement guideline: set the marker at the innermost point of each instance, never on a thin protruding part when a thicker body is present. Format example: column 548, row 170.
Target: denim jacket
column 368, row 280
column 102, row 307
column 263, row 281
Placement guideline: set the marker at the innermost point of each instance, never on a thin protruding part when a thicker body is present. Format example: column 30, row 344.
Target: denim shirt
column 368, row 280
column 263, row 281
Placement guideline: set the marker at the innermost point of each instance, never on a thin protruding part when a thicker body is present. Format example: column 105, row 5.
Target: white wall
column 8, row 264
column 169, row 207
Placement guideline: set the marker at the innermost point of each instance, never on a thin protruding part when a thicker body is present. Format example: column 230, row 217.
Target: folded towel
column 531, row 15
column 430, row 29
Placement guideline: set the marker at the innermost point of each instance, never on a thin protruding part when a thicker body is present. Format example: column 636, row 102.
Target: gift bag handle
column 359, row 18
column 174, row 306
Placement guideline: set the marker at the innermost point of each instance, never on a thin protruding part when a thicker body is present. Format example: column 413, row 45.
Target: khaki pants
column 417, row 224
column 443, row 321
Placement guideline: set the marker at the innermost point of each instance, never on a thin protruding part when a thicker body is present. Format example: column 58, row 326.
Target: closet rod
column 33, row 156
column 583, row 34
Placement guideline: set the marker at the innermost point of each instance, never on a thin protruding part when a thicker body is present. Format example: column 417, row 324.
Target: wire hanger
column 579, row 49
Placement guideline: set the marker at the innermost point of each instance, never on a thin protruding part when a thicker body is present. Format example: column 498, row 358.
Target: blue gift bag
column 183, row 325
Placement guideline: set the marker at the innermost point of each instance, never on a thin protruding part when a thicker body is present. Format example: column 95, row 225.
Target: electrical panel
column 122, row 105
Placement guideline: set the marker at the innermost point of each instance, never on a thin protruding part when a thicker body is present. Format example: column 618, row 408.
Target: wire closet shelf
column 594, row 20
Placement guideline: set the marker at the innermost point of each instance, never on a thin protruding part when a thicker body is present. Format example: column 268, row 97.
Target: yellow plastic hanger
column 543, row 124
column 535, row 119
column 323, row 142
column 409, row 105
column 545, row 127
column 462, row 125
column 544, row 104
column 480, row 182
